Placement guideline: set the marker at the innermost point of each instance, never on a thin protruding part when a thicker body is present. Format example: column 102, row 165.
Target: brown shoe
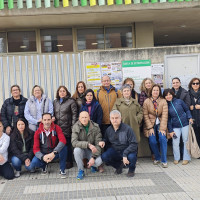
column 69, row 165
column 130, row 174
column 85, row 162
column 101, row 169
column 185, row 162
column 175, row 162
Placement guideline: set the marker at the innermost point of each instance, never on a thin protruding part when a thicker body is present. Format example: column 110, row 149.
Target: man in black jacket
column 13, row 109
column 123, row 145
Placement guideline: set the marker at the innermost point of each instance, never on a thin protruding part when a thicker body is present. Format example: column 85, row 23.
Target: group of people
column 98, row 127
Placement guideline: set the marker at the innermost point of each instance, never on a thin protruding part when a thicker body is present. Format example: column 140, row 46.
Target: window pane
column 3, row 46
column 90, row 38
column 119, row 37
column 21, row 41
column 56, row 40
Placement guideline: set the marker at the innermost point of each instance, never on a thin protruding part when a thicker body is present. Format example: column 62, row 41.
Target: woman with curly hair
column 145, row 88
column 194, row 91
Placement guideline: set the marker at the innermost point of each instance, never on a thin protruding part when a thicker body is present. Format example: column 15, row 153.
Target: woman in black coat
column 194, row 91
column 65, row 111
column 21, row 146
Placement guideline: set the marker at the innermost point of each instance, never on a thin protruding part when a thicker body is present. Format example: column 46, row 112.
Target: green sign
column 136, row 63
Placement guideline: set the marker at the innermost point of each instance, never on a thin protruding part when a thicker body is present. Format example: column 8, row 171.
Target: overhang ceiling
column 174, row 23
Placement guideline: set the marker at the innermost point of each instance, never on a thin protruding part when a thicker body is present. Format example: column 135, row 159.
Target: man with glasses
column 106, row 95
column 12, row 109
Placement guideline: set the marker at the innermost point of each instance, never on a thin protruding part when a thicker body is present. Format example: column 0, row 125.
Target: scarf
column 178, row 93
column 196, row 95
column 155, row 104
column 127, row 101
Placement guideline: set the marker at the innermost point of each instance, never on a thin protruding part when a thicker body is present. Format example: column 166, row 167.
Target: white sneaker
column 156, row 162
column 17, row 174
column 62, row 174
column 164, row 165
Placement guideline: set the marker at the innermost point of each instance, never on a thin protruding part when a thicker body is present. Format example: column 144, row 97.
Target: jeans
column 114, row 158
column 184, row 132
column 80, row 154
column 36, row 162
column 16, row 163
column 154, row 144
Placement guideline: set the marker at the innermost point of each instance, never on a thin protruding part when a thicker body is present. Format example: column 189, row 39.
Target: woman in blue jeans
column 21, row 146
column 155, row 111
column 179, row 117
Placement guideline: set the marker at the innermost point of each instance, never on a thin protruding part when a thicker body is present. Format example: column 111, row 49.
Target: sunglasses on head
column 195, row 83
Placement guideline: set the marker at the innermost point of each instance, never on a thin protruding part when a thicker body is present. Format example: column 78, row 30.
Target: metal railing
column 48, row 71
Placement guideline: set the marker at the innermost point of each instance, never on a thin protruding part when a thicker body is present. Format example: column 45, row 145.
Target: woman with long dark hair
column 21, row 146
column 79, row 94
column 65, row 112
column 92, row 106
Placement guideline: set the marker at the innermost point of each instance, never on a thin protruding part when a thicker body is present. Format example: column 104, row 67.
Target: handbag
column 192, row 145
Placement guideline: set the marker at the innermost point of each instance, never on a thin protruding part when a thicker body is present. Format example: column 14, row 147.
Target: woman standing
column 155, row 124
column 79, row 94
column 36, row 105
column 65, row 110
column 21, row 146
column 5, row 168
column 194, row 92
column 145, row 88
column 180, row 93
column 131, row 82
column 130, row 110
column 13, row 109
column 92, row 106
column 179, row 117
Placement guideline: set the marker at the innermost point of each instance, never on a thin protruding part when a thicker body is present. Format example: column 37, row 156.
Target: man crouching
column 123, row 145
column 86, row 136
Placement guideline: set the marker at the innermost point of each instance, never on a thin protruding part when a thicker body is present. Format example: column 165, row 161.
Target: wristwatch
column 94, row 157
column 55, row 153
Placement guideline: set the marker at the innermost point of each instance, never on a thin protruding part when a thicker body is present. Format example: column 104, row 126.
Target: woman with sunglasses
column 194, row 91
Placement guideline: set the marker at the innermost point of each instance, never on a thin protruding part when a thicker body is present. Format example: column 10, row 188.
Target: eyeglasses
column 195, row 83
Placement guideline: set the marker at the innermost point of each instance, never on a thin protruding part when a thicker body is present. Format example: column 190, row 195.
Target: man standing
column 13, row 109
column 86, row 136
column 123, row 148
column 106, row 95
column 49, row 145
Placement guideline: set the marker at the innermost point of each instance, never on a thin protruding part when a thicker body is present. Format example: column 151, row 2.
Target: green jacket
column 81, row 139
column 131, row 114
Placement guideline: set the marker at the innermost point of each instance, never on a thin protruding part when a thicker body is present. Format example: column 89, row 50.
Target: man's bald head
column 84, row 118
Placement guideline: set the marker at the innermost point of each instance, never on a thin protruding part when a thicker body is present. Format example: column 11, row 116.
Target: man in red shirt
column 49, row 145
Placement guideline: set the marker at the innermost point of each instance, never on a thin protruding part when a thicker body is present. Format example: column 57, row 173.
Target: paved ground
column 150, row 182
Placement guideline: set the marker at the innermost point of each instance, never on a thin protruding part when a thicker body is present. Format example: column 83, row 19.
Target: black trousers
column 69, row 150
column 197, row 133
column 6, row 171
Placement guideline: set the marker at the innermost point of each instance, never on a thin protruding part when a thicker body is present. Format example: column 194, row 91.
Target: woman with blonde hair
column 145, row 88
column 36, row 105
